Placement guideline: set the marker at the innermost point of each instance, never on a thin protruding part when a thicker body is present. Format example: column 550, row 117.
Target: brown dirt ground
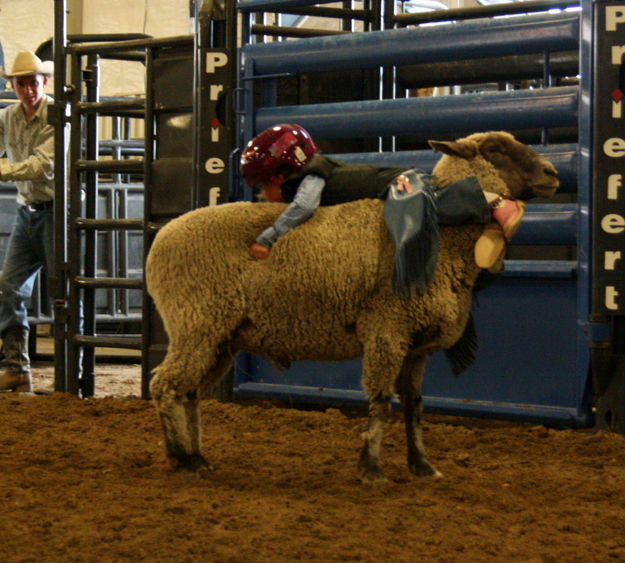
column 87, row 480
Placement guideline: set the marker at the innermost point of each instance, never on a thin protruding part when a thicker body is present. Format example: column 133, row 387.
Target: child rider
column 283, row 161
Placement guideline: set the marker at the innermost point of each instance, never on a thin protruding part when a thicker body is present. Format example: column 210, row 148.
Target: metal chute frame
column 536, row 366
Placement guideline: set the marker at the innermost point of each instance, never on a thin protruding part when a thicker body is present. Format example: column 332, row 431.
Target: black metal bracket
column 609, row 388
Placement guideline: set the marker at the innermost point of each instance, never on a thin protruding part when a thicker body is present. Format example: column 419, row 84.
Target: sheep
column 323, row 294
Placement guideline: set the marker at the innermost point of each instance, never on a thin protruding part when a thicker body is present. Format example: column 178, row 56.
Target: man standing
column 28, row 141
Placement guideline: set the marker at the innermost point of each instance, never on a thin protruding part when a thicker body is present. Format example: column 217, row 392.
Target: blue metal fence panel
column 457, row 41
column 525, row 369
column 514, row 110
column 533, row 362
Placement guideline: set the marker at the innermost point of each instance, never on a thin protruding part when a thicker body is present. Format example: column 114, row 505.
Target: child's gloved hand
column 258, row 251
column 403, row 184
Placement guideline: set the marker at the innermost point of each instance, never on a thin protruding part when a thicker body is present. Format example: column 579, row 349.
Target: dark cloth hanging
column 412, row 221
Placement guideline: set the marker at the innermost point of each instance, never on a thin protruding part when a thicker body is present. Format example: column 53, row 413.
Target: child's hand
column 258, row 251
column 403, row 184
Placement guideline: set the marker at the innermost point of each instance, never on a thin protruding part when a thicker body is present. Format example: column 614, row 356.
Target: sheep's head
column 524, row 172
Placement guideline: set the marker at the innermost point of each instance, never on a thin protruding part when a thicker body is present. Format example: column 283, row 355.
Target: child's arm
column 302, row 207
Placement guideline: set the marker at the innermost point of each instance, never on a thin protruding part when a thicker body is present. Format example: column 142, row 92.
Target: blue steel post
column 584, row 190
column 245, row 107
column 606, row 26
column 58, row 277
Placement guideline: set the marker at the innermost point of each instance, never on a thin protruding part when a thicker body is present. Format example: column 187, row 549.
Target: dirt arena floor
column 87, row 480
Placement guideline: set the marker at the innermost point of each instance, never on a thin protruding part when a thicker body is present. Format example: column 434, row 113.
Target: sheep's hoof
column 369, row 468
column 376, row 478
column 371, row 474
column 424, row 469
column 189, row 462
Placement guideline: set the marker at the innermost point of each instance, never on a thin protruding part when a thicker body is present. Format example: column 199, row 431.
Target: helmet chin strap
column 277, row 179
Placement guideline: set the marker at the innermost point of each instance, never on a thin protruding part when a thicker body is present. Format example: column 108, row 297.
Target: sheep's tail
column 412, row 221
column 462, row 354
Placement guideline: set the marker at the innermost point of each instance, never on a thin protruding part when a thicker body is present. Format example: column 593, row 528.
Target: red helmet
column 283, row 144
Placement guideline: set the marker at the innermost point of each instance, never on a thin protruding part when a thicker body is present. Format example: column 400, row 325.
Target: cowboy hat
column 26, row 63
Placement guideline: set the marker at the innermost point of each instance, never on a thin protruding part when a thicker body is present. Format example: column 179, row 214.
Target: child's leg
column 465, row 201
column 491, row 246
column 462, row 202
column 507, row 212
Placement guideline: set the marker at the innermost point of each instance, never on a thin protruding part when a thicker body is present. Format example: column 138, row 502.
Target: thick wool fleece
column 323, row 293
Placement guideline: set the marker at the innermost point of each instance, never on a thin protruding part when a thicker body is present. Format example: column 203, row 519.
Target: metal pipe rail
column 44, row 49
column 475, row 39
column 246, row 6
column 118, row 317
column 152, row 227
column 109, row 283
column 280, row 31
column 495, row 69
column 111, row 166
column 130, row 342
column 482, row 11
column 121, row 144
column 548, row 224
column 562, row 269
column 517, row 109
column 139, row 44
column 108, row 224
column 121, row 148
column 124, row 108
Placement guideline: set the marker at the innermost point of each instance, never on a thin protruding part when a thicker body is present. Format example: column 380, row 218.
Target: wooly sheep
column 323, row 294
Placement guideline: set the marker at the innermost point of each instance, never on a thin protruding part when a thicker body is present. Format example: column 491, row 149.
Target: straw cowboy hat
column 26, row 62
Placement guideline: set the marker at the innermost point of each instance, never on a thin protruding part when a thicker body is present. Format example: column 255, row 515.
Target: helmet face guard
column 284, row 144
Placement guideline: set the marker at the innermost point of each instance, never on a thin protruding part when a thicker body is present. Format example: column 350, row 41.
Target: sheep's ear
column 463, row 149
column 494, row 145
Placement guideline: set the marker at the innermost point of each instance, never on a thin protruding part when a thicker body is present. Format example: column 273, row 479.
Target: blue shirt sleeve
column 302, row 207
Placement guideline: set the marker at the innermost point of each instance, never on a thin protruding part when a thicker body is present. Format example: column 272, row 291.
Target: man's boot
column 16, row 376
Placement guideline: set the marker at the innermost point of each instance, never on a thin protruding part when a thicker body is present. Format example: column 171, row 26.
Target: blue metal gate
column 533, row 324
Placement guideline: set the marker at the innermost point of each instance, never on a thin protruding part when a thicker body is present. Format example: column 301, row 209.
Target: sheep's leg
column 409, row 390
column 177, row 403
column 383, row 351
column 192, row 413
column 369, row 464
column 180, row 419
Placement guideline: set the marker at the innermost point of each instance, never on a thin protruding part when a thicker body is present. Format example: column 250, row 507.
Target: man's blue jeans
column 30, row 249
